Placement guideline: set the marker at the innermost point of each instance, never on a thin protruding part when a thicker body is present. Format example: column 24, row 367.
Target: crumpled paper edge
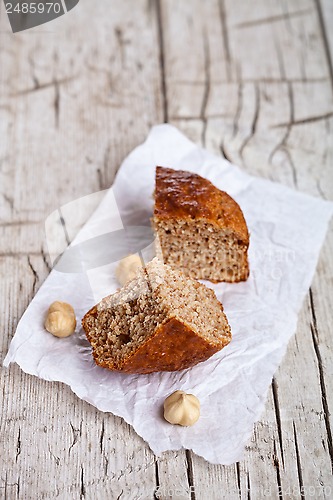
column 260, row 407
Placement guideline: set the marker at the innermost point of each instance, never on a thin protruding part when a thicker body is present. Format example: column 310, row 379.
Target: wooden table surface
column 250, row 80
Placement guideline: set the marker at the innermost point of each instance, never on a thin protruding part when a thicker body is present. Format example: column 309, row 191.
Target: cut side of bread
column 159, row 321
column 201, row 230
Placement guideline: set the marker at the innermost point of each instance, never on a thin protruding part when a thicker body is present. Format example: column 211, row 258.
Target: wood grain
column 252, row 81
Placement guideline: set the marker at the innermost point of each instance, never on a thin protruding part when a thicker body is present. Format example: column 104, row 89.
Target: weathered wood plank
column 273, row 107
column 325, row 17
column 73, row 103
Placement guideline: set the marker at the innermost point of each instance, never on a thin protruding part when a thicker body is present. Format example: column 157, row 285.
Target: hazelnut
column 182, row 409
column 127, row 268
column 60, row 319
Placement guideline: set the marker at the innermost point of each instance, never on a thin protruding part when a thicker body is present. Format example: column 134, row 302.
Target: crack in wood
column 63, row 223
column 315, row 339
column 19, row 254
column 279, row 55
column 206, row 92
column 224, row 152
column 310, row 119
column 122, row 42
column 320, row 190
column 238, row 479
column 33, row 75
column 35, row 275
column 129, row 469
column 42, row 86
column 282, row 145
column 107, row 162
column 150, row 6
column 292, row 166
column 278, row 416
column 19, row 223
column 157, row 481
column 225, row 37
column 254, row 122
column 101, row 438
column 100, row 179
column 9, row 200
column 303, row 39
column 248, row 487
column 56, row 459
column 325, row 40
column 82, row 485
column 190, row 475
column 299, row 465
column 262, row 79
column 18, row 445
column 277, row 468
column 187, row 118
column 5, row 487
column 76, row 434
column 279, row 80
column 101, row 446
column 49, row 268
column 238, row 110
column 56, row 103
column 296, row 342
column 273, row 19
column 106, row 464
column 17, row 485
column 285, row 8
column 4, row 160
column 121, row 493
column 159, row 19
column 328, row 127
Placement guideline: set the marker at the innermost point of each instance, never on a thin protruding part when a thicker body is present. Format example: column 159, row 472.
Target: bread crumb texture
column 159, row 321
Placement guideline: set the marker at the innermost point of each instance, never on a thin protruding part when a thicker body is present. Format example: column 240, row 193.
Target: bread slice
column 159, row 321
column 201, row 230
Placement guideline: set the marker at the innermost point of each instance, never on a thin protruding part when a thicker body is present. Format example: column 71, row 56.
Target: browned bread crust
column 174, row 346
column 184, row 195
column 176, row 340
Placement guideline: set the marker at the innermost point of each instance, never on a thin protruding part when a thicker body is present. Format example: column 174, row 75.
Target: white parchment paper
column 287, row 231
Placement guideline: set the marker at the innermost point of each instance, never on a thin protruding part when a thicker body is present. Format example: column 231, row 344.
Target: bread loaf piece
column 201, row 230
column 159, row 321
